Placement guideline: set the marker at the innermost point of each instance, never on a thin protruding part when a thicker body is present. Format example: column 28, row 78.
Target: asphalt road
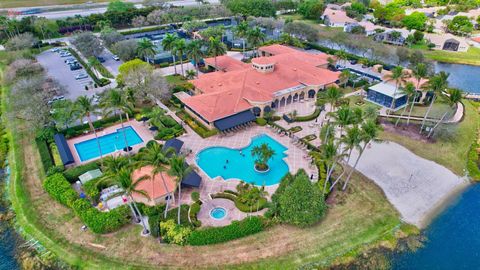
column 111, row 64
column 59, row 70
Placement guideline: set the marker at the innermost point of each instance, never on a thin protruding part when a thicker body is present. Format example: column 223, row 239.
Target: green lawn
column 437, row 111
column 451, row 154
column 175, row 79
column 470, row 57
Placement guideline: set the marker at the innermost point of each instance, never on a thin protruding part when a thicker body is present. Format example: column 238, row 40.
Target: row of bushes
column 45, row 155
column 99, row 222
column 195, row 125
column 168, row 128
column 104, row 71
column 100, row 82
column 237, row 229
column 229, row 195
column 80, row 129
column 310, row 117
column 194, row 209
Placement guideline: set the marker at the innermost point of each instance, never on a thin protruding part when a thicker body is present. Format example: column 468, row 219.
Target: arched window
column 311, row 93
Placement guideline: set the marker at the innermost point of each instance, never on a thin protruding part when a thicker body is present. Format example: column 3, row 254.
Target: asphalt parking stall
column 56, row 68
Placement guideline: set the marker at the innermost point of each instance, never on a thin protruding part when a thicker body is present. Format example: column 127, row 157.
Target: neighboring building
column 392, row 36
column 476, row 41
column 384, row 93
column 447, row 42
column 156, row 189
column 368, row 26
column 239, row 92
column 336, row 18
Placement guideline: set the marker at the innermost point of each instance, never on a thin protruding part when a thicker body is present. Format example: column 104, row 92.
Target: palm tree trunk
column 354, row 166
column 179, row 199
column 135, row 217
column 436, row 125
column 426, row 114
column 181, row 64
column 243, row 47
column 410, row 112
column 96, row 137
column 401, row 115
column 145, row 230
column 124, row 133
column 167, row 203
column 174, row 63
column 392, row 106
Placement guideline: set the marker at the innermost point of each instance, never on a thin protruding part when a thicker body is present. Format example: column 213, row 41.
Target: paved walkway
column 417, row 187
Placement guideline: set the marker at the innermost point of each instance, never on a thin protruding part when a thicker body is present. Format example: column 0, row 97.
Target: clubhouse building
column 236, row 92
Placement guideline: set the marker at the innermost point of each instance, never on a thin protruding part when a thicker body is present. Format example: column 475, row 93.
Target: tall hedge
column 72, row 174
column 45, row 156
column 58, row 187
column 237, row 229
column 101, row 222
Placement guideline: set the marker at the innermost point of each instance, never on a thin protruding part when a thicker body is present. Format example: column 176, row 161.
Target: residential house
column 336, row 18
column 447, row 42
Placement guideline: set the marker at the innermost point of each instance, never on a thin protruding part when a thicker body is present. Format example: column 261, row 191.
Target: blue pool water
column 108, row 143
column 218, row 213
column 453, row 238
column 213, row 161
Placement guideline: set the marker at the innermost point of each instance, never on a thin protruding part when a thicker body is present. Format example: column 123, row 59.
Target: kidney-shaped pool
column 239, row 164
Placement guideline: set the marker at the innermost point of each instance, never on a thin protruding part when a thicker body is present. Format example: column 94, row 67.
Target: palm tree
column 154, row 155
column 344, row 77
column 113, row 101
column 369, row 132
column 350, row 142
column 195, row 52
column 437, row 84
column 216, row 47
column 344, row 117
column 112, row 165
column 86, row 108
column 168, row 43
column 146, row 49
column 411, row 93
column 255, row 37
column 332, row 96
column 399, row 77
column 92, row 63
column 342, row 55
column 123, row 178
column 263, row 154
column 179, row 47
column 420, row 71
column 180, row 169
column 190, row 74
column 241, row 30
column 454, row 96
column 330, row 156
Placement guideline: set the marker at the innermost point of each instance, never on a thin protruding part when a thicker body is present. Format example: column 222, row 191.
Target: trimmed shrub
column 237, row 229
column 194, row 209
column 154, row 224
column 101, row 222
column 58, row 187
column 73, row 173
column 261, row 121
column 195, row 196
column 310, row 117
column 200, row 129
column 45, row 156
column 91, row 189
column 174, row 233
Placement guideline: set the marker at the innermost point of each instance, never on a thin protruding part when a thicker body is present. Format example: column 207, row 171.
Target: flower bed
column 310, row 137
column 195, row 125
column 295, row 129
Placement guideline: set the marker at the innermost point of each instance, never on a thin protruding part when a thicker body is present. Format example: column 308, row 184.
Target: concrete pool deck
column 141, row 129
column 232, row 213
column 417, row 187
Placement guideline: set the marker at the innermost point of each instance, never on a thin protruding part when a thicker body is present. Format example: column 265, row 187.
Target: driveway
column 417, row 187
column 57, row 69
column 110, row 63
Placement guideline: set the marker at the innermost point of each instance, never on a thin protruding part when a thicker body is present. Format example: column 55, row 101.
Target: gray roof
column 387, row 89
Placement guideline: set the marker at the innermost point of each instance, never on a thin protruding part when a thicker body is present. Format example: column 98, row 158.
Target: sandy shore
column 417, row 187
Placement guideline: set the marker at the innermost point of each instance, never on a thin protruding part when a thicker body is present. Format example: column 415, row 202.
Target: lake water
column 453, row 238
column 465, row 77
column 8, row 243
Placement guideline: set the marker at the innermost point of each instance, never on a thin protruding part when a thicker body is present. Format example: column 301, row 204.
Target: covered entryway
column 311, row 93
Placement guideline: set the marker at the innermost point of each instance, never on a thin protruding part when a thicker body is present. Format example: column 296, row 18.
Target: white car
column 115, row 58
column 81, row 76
column 65, row 54
column 55, row 50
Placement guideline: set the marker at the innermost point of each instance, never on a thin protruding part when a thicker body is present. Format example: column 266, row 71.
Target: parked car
column 81, row 76
column 101, row 59
column 115, row 58
column 75, row 67
column 55, row 49
column 65, row 54
column 70, row 61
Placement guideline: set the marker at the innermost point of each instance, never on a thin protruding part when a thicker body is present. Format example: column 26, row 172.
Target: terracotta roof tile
column 156, row 188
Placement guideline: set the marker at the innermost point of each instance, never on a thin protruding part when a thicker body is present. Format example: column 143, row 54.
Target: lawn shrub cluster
column 91, row 189
column 194, row 209
column 58, row 187
column 81, row 129
column 310, row 117
column 295, row 129
column 174, row 233
column 237, row 229
column 156, row 216
column 261, row 121
column 72, row 174
column 168, row 128
column 45, row 155
column 195, row 125
column 101, row 222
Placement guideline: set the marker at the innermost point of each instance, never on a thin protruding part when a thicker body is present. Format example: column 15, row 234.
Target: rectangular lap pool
column 108, row 143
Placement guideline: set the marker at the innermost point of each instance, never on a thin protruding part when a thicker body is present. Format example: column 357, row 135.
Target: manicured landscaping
column 195, row 125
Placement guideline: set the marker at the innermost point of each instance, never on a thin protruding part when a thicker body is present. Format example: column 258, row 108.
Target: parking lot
column 111, row 64
column 59, row 70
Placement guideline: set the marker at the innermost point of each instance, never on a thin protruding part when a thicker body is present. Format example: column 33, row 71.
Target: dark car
column 101, row 59
column 75, row 67
column 353, row 62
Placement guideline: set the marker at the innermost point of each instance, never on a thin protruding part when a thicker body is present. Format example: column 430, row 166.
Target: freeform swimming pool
column 239, row 164
column 108, row 143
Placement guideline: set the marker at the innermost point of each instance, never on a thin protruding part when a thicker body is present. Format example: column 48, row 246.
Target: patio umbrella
column 127, row 150
column 153, row 128
column 145, row 118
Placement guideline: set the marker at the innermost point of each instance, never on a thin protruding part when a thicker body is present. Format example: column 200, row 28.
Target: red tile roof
column 225, row 63
column 275, row 49
column 155, row 189
column 227, row 93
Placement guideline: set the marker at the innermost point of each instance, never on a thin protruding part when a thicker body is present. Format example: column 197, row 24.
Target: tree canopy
column 460, row 25
column 416, row 20
column 311, row 9
column 257, row 8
